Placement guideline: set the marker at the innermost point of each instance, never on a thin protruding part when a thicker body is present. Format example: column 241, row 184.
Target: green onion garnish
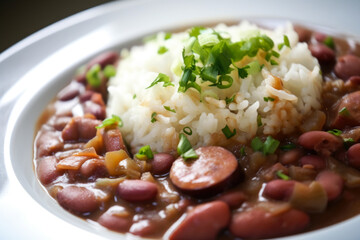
column 288, row 147
column 329, row 41
column 169, row 109
column 161, row 78
column 187, row 130
column 344, row 112
column 93, row 76
column 259, row 122
column 162, row 50
column 268, row 147
column 185, row 149
column 114, row 120
column 229, row 100
column 282, row 176
column 227, row 132
column 153, row 115
column 109, row 71
column 285, row 43
column 145, row 153
column 134, row 96
column 242, row 151
column 266, row 99
column 167, row 36
column 335, row 132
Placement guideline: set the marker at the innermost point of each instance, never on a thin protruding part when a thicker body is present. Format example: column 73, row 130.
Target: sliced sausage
column 332, row 183
column 137, row 190
column 215, row 170
column 347, row 66
column 47, row 171
column 348, row 111
column 322, row 142
column 204, row 222
column 161, row 163
column 80, row 129
column 116, row 219
column 257, row 223
column 77, row 199
column 113, row 140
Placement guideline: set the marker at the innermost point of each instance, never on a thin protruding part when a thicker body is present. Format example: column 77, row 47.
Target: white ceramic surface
column 35, row 69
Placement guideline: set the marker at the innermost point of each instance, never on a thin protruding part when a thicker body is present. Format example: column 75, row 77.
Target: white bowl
column 35, row 69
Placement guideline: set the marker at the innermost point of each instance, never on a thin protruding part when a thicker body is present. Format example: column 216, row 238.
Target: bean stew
column 310, row 181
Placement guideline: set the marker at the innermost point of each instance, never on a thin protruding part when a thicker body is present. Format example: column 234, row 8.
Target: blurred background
column 21, row 18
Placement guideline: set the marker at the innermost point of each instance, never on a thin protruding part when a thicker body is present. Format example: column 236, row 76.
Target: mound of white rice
column 295, row 83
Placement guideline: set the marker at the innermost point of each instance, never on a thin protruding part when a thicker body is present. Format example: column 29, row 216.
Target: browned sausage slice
column 113, row 140
column 203, row 222
column 215, row 170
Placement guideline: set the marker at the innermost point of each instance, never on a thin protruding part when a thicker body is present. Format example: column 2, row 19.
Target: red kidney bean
column 279, row 189
column 95, row 109
column 323, row 53
column 347, row 66
column 215, row 170
column 352, row 83
column 257, row 223
column 86, row 96
column 113, row 140
column 111, row 220
column 60, row 122
column 77, row 199
column 47, row 171
column 137, row 190
column 204, row 222
column 353, row 155
column 80, row 129
column 161, row 163
column 291, row 156
column 70, row 91
column 320, row 37
column 106, row 58
column 233, row 199
column 145, row 228
column 332, row 183
column 48, row 143
column 322, row 142
column 304, row 34
column 316, row 161
column 351, row 117
column 94, row 168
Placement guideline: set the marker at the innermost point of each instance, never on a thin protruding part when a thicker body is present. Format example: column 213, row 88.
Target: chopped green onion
column 145, row 153
column 329, row 41
column 195, row 31
column 93, row 76
column 109, row 71
column 153, row 115
column 273, row 62
column 162, row 50
column 114, row 120
column 254, row 67
column 344, row 112
column 268, row 147
column 349, row 140
column 266, row 99
column 257, row 144
column 161, row 78
column 242, row 151
column 282, row 176
column 187, row 130
column 227, row 132
column 167, row 36
column 134, row 96
column 208, row 39
column 259, row 122
column 185, row 149
column 230, row 100
column 288, row 147
column 286, row 43
column 335, row 132
column 169, row 109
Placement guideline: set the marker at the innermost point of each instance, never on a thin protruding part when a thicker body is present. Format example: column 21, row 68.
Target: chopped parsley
column 268, row 147
column 185, row 149
column 153, row 115
column 335, row 132
column 282, row 176
column 161, row 78
column 145, row 153
column 169, row 109
column 227, row 132
column 187, row 130
column 162, row 50
column 114, row 120
column 267, row 99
